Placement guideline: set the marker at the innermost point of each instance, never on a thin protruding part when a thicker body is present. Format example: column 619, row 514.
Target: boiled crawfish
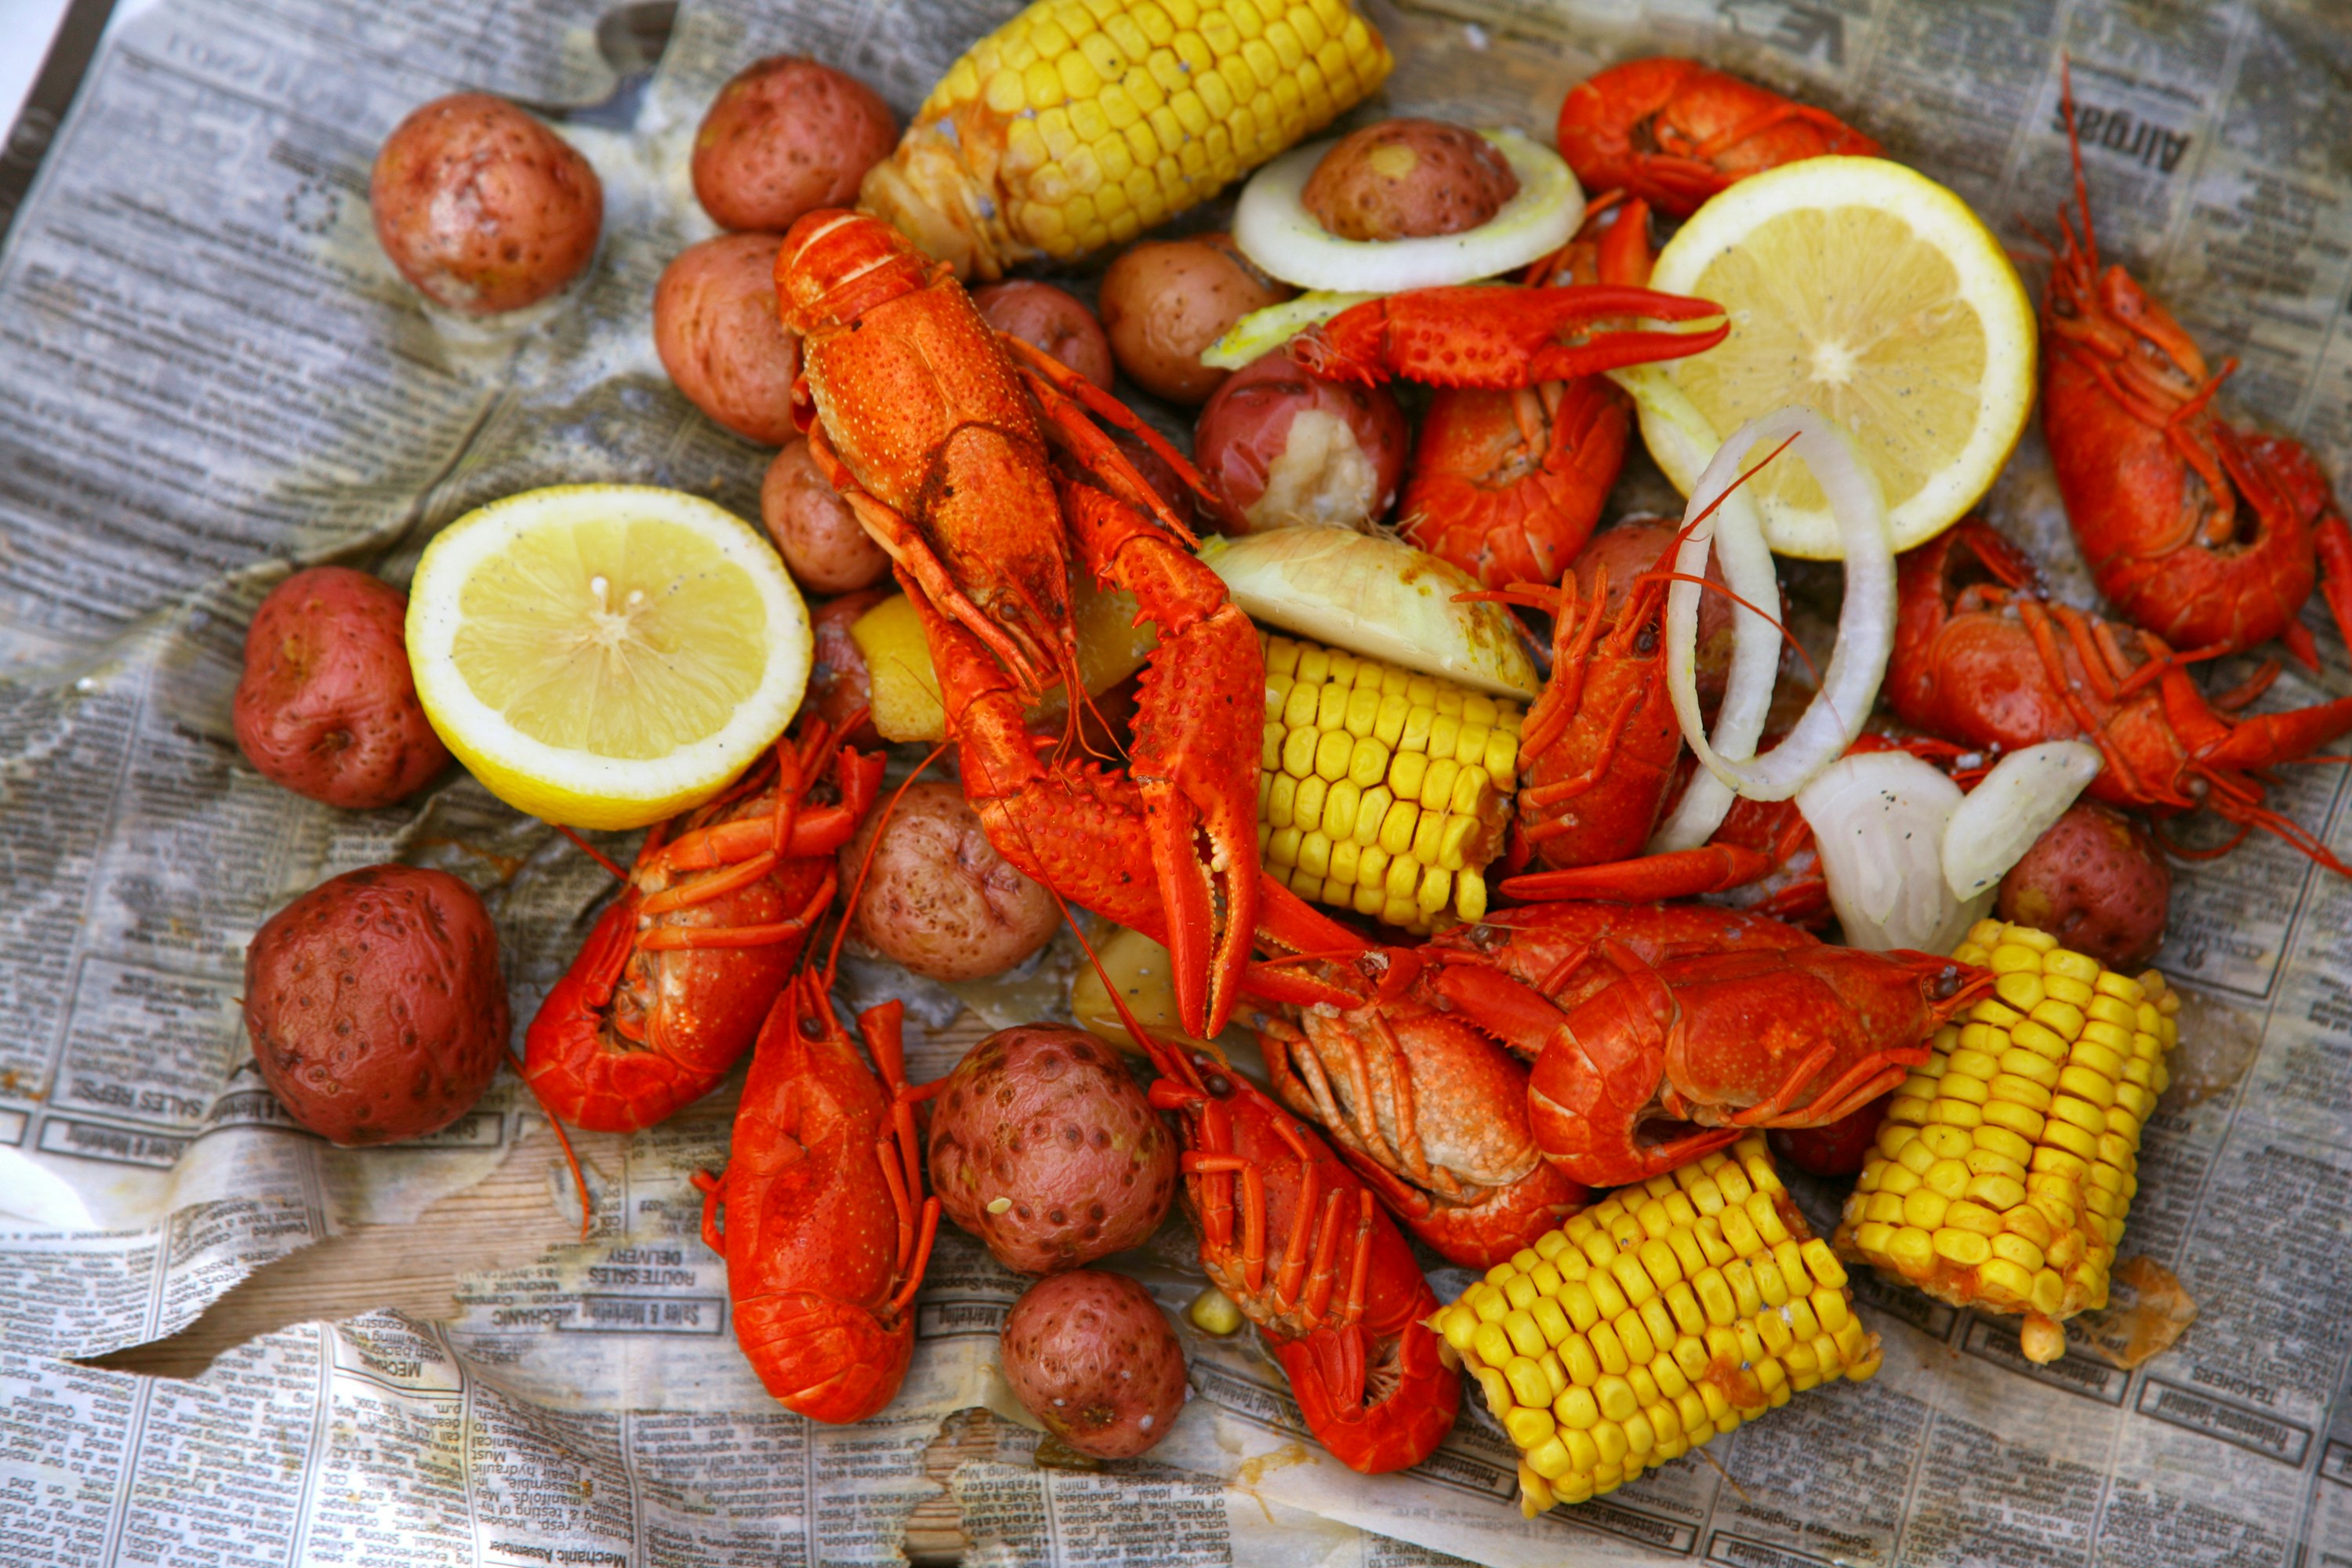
column 1598, row 751
column 1301, row 1246
column 973, row 460
column 1662, row 1032
column 1430, row 1112
column 1982, row 659
column 674, row 981
column 1507, row 483
column 820, row 1211
column 2203, row 532
column 1675, row 132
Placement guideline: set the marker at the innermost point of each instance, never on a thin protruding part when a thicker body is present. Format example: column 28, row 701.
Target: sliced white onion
column 1880, row 820
column 1377, row 596
column 1997, row 823
column 1755, row 653
column 1866, row 620
column 1261, row 333
column 1273, row 229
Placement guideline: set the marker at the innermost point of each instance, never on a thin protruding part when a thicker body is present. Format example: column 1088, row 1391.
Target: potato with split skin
column 1165, row 301
column 2098, row 881
column 374, row 1003
column 1403, row 179
column 1289, row 450
column 1091, row 1356
column 1045, row 318
column 716, row 330
column 817, row 534
column 482, row 207
column 1043, row 1146
column 783, row 138
column 327, row 705
column 937, row 898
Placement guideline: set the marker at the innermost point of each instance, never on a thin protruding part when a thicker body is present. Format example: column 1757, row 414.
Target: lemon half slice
column 1872, row 293
column 605, row 655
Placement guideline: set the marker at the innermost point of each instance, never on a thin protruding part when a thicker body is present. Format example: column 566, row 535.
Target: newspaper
column 208, row 373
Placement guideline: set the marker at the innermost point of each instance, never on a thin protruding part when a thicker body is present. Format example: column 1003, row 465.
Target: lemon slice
column 605, row 655
column 1872, row 293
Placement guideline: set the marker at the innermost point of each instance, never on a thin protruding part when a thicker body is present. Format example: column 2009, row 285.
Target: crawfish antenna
column 579, row 1177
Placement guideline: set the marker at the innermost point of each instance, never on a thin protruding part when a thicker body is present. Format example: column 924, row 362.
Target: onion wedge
column 1881, row 820
column 2025, row 792
column 1865, row 624
column 1377, row 596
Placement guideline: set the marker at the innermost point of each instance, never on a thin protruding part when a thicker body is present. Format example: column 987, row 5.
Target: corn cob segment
column 1382, row 790
column 1665, row 1314
column 2006, row 1164
column 1081, row 123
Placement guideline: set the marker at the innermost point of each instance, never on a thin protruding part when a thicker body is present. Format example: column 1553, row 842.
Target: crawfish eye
column 1218, row 1085
column 1946, row 984
column 810, row 1029
column 1645, row 641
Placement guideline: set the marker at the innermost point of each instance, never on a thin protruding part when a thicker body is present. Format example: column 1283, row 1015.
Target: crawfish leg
column 1198, row 727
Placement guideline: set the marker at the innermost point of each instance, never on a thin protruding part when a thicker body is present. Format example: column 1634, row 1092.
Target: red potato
column 1289, row 450
column 817, row 534
column 1045, row 318
column 938, row 897
column 840, row 687
column 374, row 1003
column 1091, row 1356
column 2098, row 881
column 482, row 207
column 716, row 329
column 785, row 137
column 326, row 705
column 1404, row 178
column 1044, row 1147
column 1164, row 302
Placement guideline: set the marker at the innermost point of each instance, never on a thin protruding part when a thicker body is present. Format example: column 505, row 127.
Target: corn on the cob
column 1379, row 789
column 1081, row 123
column 1664, row 1314
column 2006, row 1163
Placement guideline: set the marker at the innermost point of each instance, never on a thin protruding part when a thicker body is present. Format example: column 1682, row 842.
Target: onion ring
column 1865, row 624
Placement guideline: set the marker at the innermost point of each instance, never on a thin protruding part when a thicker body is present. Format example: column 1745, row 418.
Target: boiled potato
column 374, row 1003
column 936, row 896
column 1402, row 179
column 482, row 207
column 1164, row 302
column 785, row 137
column 716, row 330
column 326, row 705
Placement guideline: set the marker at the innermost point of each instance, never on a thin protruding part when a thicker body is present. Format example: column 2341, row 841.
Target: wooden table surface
column 506, row 1221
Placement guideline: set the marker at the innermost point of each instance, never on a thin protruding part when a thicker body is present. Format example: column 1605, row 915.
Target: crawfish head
column 912, row 396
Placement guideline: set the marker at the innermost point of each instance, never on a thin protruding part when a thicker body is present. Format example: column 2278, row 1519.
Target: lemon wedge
column 605, row 655
column 1869, row 292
